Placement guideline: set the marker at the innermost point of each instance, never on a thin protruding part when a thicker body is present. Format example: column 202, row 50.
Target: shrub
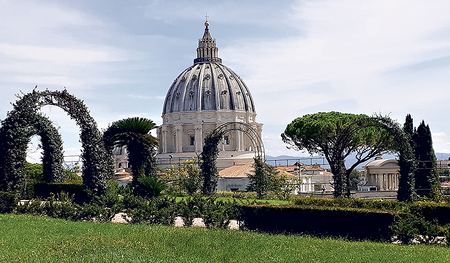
column 217, row 213
column 149, row 187
column 190, row 208
column 111, row 196
column 238, row 195
column 159, row 210
column 413, row 228
column 45, row 190
column 63, row 207
column 8, row 202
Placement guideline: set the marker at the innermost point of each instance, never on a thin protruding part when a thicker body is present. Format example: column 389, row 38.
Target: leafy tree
column 355, row 179
column 185, row 176
column 283, row 186
column 33, row 172
column 134, row 133
column 336, row 135
column 426, row 178
column 262, row 178
column 208, row 163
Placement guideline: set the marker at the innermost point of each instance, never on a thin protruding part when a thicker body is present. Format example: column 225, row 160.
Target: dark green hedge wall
column 361, row 224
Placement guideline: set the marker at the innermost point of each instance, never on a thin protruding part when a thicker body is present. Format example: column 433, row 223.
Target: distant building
column 382, row 174
column 314, row 177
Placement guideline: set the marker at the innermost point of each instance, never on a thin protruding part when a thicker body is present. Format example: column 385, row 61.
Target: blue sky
column 297, row 57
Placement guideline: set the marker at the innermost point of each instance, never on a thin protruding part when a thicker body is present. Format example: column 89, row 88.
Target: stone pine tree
column 336, row 135
column 426, row 177
column 406, row 183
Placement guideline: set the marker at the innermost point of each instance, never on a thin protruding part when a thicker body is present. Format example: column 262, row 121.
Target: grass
column 25, row 238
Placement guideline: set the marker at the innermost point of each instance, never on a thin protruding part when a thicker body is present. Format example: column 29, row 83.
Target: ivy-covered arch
column 15, row 141
column 52, row 146
column 211, row 152
column 97, row 163
column 406, row 191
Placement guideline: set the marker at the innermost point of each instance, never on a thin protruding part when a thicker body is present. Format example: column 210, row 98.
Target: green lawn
column 25, row 238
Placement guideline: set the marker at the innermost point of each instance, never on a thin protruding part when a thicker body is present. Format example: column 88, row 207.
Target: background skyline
column 296, row 57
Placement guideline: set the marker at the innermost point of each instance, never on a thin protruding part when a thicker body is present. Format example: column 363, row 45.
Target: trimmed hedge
column 432, row 211
column 352, row 223
column 375, row 204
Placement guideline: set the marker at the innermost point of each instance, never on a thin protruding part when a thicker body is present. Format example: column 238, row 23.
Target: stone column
column 198, row 136
column 178, row 138
column 164, row 139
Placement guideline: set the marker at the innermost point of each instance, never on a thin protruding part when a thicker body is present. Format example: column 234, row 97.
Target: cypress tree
column 406, row 163
column 426, row 177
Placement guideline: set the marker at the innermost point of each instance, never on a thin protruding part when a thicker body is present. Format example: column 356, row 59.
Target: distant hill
column 309, row 160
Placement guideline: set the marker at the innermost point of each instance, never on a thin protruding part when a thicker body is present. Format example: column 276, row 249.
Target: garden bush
column 159, row 210
column 412, row 228
column 45, row 190
column 149, row 187
column 190, row 208
column 8, row 202
column 62, row 206
column 238, row 195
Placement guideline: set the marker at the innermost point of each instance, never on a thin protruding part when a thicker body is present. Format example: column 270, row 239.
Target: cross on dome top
column 207, row 50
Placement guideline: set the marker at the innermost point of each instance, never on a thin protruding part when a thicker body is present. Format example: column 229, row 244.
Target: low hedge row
column 375, row 204
column 352, row 223
column 429, row 210
column 45, row 190
column 432, row 211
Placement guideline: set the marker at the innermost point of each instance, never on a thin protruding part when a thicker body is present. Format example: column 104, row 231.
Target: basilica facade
column 204, row 96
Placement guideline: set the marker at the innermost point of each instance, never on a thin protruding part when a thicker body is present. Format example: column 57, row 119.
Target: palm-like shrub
column 149, row 186
column 134, row 133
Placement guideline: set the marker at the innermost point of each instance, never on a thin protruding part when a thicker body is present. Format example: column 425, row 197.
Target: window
column 192, row 141
column 226, row 140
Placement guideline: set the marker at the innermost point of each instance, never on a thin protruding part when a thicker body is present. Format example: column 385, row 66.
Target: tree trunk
column 339, row 174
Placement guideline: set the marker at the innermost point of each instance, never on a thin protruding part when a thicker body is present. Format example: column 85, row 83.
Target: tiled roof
column 237, row 171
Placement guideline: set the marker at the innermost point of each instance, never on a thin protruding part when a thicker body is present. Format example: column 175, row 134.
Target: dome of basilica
column 203, row 97
column 208, row 85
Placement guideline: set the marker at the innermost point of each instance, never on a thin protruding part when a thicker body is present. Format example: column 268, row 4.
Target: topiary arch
column 13, row 146
column 406, row 190
column 211, row 152
column 97, row 163
column 52, row 146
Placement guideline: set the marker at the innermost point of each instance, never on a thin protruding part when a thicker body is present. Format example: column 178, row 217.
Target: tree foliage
column 97, row 164
column 283, row 185
column 134, row 133
column 407, row 164
column 184, row 176
column 262, row 177
column 336, row 135
column 426, row 178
